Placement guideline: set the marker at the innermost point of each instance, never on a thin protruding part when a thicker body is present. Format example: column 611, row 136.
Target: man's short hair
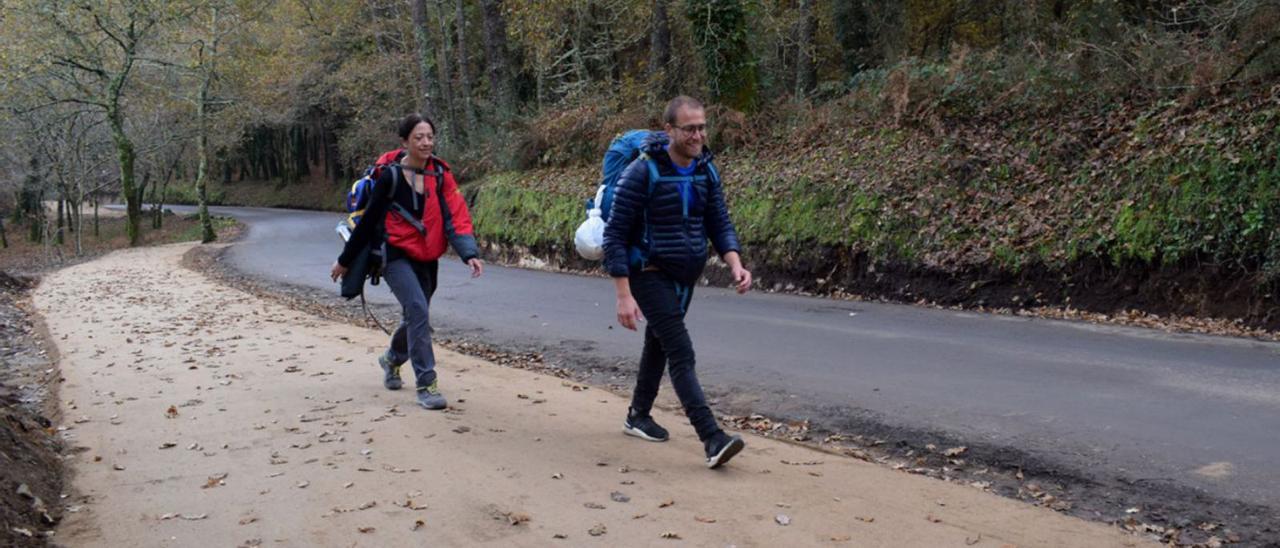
column 674, row 106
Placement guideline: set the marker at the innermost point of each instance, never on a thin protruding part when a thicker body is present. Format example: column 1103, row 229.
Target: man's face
column 689, row 133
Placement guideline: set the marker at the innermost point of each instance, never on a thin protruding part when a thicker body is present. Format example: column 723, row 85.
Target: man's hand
column 629, row 312
column 741, row 276
column 741, row 279
column 337, row 271
column 477, row 267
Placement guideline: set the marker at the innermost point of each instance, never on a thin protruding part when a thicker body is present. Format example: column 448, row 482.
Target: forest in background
column 1099, row 154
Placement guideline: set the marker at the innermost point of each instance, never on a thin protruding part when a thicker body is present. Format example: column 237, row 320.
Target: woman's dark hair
column 411, row 121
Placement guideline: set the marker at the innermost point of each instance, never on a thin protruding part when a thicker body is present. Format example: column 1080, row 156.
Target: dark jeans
column 413, row 283
column 667, row 344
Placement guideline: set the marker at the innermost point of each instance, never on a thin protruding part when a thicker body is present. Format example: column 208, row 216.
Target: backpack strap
column 396, row 175
column 713, row 173
column 446, row 216
column 685, row 181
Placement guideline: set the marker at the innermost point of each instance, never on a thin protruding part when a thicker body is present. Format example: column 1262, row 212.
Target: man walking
column 667, row 204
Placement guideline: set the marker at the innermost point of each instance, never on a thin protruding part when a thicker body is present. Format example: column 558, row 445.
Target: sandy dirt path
column 203, row 416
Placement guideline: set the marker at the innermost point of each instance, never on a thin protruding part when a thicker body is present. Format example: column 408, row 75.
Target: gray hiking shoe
column 390, row 373
column 430, row 397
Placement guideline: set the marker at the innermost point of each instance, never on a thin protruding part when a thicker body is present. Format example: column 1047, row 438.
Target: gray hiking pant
column 413, row 283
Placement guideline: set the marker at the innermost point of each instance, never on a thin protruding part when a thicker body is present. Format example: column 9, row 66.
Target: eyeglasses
column 693, row 128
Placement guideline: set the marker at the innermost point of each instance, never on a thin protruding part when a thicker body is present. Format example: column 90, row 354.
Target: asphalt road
column 1191, row 410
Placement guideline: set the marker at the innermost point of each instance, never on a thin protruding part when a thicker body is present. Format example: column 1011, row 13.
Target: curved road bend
column 1198, row 411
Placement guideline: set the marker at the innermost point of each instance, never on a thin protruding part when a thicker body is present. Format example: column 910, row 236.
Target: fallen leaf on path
column 168, row 445
column 557, row 475
column 933, row 519
column 462, row 429
column 666, row 503
column 955, row 451
column 417, row 524
column 215, row 480
column 559, row 536
column 246, row 521
column 782, row 519
column 516, row 518
column 865, row 519
column 593, row 505
column 302, row 484
column 841, row 538
column 671, row 535
column 117, row 467
column 172, row 413
column 366, row 530
column 618, row 496
column 971, row 542
column 802, row 463
column 597, row 530
column 704, row 519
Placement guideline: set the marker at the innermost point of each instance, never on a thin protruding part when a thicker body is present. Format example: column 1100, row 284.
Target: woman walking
column 415, row 208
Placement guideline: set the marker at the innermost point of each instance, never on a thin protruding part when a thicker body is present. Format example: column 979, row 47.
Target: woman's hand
column 477, row 266
column 338, row 271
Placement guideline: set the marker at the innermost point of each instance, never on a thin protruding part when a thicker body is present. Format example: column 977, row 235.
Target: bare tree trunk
column 142, row 190
column 442, row 64
column 96, row 233
column 464, row 75
column 4, row 240
column 155, row 207
column 495, row 51
column 79, row 218
column 202, row 147
column 57, row 233
column 71, row 204
column 660, row 51
column 422, row 38
column 806, row 73
column 124, row 150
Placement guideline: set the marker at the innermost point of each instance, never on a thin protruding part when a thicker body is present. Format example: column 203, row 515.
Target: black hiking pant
column 664, row 303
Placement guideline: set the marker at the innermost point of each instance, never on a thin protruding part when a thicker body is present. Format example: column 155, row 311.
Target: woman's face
column 421, row 141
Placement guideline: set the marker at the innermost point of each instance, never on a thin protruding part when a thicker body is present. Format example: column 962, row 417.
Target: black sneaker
column 643, row 427
column 721, row 448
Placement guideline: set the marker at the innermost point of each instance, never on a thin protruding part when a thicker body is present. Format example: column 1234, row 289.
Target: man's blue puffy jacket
column 678, row 218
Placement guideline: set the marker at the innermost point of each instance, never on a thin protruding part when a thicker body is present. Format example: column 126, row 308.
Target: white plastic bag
column 589, row 238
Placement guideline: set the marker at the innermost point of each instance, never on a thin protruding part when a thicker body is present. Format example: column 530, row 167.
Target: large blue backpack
column 589, row 238
column 625, row 148
column 622, row 151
